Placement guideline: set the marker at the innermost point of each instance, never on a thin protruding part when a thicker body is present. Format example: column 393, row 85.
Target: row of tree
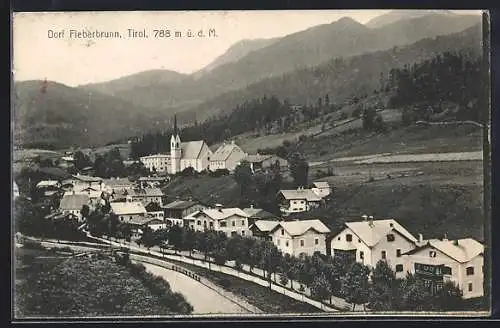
column 325, row 276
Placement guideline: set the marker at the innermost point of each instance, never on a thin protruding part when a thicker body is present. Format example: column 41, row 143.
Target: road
column 203, row 299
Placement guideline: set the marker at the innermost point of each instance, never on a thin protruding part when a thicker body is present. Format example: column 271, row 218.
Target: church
column 195, row 154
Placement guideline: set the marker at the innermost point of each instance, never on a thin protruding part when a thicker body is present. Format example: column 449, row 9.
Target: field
column 257, row 295
column 53, row 286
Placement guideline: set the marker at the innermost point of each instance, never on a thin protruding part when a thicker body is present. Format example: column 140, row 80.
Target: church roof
column 224, row 151
column 192, row 149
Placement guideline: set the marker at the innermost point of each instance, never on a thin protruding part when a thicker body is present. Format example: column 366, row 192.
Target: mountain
column 308, row 48
column 344, row 78
column 397, row 15
column 51, row 114
column 235, row 53
column 144, row 79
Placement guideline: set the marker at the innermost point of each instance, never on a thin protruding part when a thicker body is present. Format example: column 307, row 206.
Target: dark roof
column 153, row 207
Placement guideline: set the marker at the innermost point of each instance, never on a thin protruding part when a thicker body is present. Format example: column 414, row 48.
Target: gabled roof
column 306, row 194
column 127, row 208
column 152, row 178
column 223, row 152
column 181, row 204
column 192, row 149
column 47, row 183
column 258, row 158
column 87, row 178
column 265, row 225
column 74, row 202
column 118, row 182
column 297, row 228
column 321, row 184
column 372, row 234
column 149, row 192
column 461, row 250
column 137, row 220
column 258, row 213
column 220, row 214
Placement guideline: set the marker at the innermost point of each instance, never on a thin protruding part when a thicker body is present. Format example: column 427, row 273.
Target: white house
column 118, row 184
column 321, row 188
column 440, row 260
column 127, row 211
column 295, row 201
column 370, row 241
column 227, row 156
column 304, row 237
column 232, row 221
column 72, row 204
column 156, row 162
column 261, row 229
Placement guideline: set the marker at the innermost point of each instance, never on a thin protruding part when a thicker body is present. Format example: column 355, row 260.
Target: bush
column 219, row 173
column 225, row 282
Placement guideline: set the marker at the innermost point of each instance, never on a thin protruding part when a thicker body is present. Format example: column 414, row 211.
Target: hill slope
column 397, row 15
column 345, row 78
column 307, row 48
column 62, row 116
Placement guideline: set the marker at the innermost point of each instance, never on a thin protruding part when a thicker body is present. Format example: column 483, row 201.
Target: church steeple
column 176, row 132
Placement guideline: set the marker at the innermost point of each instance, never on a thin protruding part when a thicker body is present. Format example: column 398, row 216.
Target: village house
column 157, row 162
column 15, row 190
column 369, row 241
column 260, row 162
column 437, row 261
column 299, row 238
column 255, row 214
column 261, row 229
column 151, row 182
column 126, row 211
column 231, row 221
column 195, row 154
column 322, row 189
column 155, row 210
column 145, row 195
column 73, row 204
column 96, row 196
column 80, row 182
column 48, row 184
column 227, row 156
column 138, row 223
column 118, row 184
column 299, row 200
column 179, row 209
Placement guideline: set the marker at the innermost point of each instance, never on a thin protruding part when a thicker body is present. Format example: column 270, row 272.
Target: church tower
column 175, row 150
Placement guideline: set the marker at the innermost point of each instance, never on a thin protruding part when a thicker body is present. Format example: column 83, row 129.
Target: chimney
column 232, row 142
column 365, row 217
column 251, row 206
column 455, row 242
column 445, row 237
column 218, row 207
column 371, row 220
column 420, row 238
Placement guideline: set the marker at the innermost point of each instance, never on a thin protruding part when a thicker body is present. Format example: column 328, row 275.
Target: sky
column 38, row 54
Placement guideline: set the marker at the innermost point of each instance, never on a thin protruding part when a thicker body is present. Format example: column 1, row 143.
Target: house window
column 301, row 243
column 432, row 254
column 399, row 268
column 223, row 224
column 383, row 255
column 243, row 223
column 338, row 238
column 199, row 222
column 278, row 241
column 286, row 243
column 470, row 271
column 361, row 255
column 391, row 225
column 316, row 241
column 359, row 240
column 447, row 270
column 470, row 286
column 282, row 232
column 398, row 252
column 211, row 225
column 233, row 223
column 390, row 237
column 242, row 232
column 348, row 237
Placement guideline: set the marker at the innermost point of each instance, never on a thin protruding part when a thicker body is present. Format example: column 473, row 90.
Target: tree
column 175, row 237
column 147, row 238
column 320, row 288
column 243, row 176
column 355, row 284
column 384, row 288
column 270, row 259
column 85, row 211
column 449, row 298
column 299, row 168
